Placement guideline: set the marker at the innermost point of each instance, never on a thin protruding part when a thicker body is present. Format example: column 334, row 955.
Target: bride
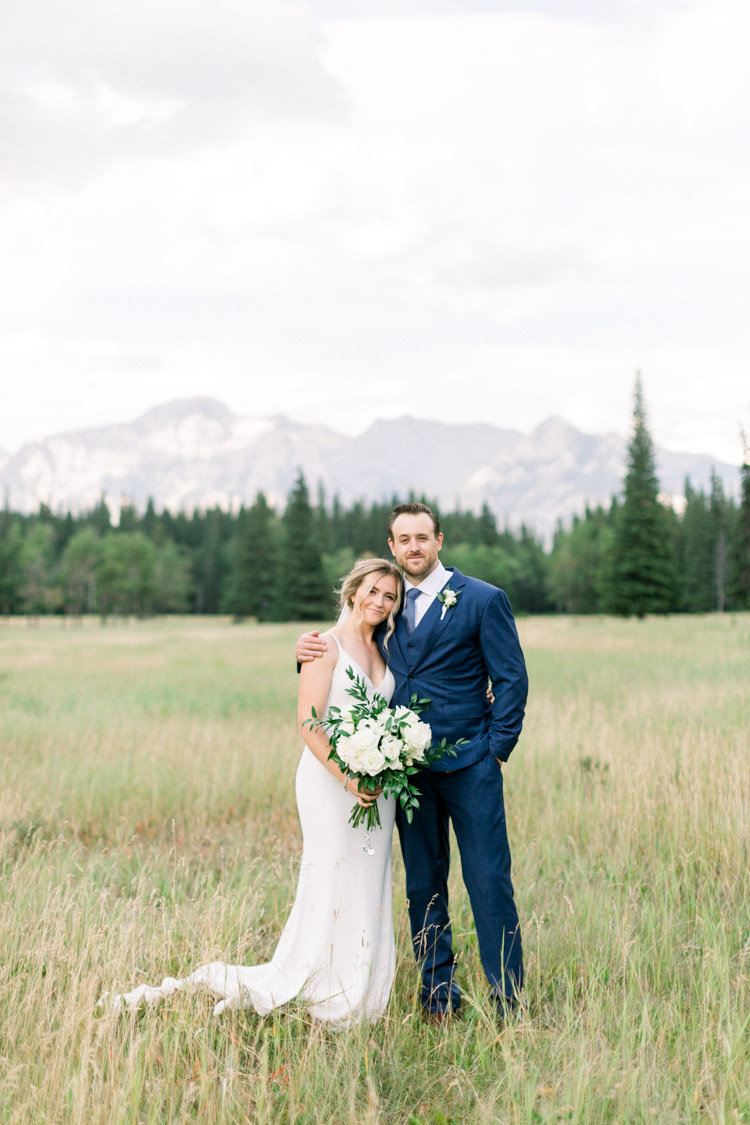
column 337, row 951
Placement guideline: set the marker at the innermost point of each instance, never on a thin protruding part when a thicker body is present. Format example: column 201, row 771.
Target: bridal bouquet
column 381, row 746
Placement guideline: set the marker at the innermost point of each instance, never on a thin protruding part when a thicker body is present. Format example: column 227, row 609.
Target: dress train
column 337, row 950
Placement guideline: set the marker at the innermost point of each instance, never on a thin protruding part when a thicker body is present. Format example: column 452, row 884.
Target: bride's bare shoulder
column 331, row 653
column 326, row 654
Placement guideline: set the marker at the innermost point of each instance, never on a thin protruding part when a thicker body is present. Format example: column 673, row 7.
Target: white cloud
column 699, row 69
column 80, row 89
column 312, row 218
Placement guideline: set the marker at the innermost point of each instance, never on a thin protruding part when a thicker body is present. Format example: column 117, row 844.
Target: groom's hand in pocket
column 309, row 646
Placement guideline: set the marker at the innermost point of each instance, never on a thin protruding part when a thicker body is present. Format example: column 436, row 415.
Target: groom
column 453, row 634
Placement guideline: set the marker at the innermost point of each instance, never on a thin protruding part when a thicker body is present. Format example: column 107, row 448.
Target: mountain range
column 196, row 453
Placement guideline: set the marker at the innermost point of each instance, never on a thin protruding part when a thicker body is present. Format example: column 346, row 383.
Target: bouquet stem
column 370, row 814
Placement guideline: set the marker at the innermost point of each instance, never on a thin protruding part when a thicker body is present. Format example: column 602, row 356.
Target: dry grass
column 147, row 824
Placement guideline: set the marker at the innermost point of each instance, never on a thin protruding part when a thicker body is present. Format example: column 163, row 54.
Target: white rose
column 344, row 750
column 365, row 738
column 356, row 760
column 372, row 761
column 392, row 748
column 378, row 725
column 417, row 739
column 405, row 716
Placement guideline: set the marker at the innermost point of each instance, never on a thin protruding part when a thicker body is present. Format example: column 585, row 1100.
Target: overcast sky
column 343, row 210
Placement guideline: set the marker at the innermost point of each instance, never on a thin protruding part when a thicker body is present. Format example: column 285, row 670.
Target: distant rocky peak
column 180, row 410
column 194, row 453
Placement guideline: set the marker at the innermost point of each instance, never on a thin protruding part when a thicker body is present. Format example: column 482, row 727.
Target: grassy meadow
column 148, row 824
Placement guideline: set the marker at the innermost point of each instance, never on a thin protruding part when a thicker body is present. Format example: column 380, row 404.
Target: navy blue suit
column 448, row 659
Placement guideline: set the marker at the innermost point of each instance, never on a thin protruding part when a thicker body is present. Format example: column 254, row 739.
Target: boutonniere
column 448, row 598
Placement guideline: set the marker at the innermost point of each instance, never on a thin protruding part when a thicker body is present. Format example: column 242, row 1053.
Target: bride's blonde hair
column 356, row 576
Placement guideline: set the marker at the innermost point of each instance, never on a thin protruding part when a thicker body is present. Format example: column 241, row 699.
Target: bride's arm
column 314, row 686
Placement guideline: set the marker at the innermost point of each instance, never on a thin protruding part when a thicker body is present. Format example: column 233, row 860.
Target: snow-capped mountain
column 196, row 453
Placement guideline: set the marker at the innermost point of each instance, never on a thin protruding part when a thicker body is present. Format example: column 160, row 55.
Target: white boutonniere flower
column 448, row 598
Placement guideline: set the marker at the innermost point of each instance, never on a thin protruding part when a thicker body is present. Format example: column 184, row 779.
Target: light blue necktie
column 410, row 612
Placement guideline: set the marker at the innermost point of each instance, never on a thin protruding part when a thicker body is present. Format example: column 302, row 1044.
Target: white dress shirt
column 429, row 588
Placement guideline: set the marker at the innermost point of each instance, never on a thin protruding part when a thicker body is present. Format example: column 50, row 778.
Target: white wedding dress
column 337, row 951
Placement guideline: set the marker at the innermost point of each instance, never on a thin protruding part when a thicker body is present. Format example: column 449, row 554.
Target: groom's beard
column 418, row 568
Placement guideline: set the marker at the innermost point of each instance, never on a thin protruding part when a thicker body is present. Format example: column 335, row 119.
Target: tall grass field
column 148, row 824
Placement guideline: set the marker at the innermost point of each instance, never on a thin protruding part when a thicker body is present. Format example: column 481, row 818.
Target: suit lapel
column 428, row 633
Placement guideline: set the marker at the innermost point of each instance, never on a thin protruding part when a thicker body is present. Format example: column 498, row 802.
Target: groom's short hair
column 414, row 508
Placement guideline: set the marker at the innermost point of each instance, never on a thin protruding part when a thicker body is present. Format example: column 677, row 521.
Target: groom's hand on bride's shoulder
column 309, row 646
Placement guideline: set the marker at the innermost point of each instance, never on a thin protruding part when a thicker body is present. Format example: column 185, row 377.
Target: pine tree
column 719, row 512
column 322, row 522
column 529, row 593
column 37, row 588
column 251, row 586
column 741, row 544
column 643, row 577
column 172, row 584
column 129, row 518
column 577, row 567
column 78, row 570
column 487, row 527
column 100, row 517
column 210, row 533
column 125, row 574
column 150, row 523
column 11, row 540
column 305, row 593
column 697, row 553
column 358, row 537
column 336, row 526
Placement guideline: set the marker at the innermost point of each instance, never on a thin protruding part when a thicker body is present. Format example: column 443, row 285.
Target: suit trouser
column 472, row 799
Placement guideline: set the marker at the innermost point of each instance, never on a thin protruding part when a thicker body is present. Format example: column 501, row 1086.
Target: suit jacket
column 448, row 659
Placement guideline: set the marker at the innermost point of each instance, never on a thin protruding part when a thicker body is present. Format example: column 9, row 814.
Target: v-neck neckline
column 349, row 656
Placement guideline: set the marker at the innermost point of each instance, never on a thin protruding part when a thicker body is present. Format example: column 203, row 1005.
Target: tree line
column 635, row 557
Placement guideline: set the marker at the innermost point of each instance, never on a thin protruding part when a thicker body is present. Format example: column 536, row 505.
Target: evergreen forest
column 636, row 557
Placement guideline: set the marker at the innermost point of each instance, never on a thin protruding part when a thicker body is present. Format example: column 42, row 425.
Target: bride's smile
column 375, row 602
